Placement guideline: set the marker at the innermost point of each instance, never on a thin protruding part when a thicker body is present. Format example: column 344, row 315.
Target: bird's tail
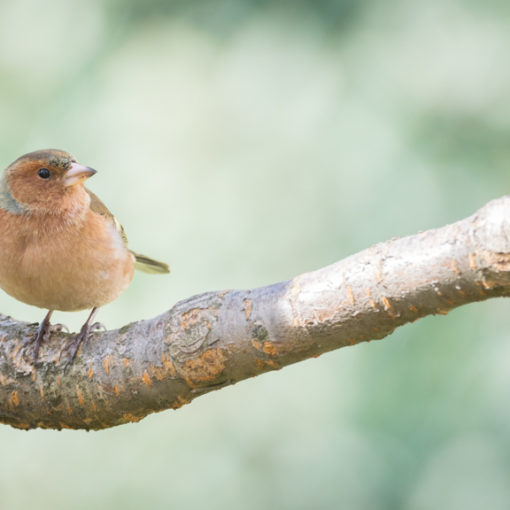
column 148, row 265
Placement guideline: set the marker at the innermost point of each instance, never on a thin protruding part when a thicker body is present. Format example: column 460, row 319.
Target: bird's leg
column 83, row 334
column 44, row 327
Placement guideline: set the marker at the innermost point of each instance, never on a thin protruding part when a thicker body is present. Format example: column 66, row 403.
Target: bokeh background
column 245, row 142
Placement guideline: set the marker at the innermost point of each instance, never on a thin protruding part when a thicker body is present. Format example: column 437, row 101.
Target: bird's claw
column 83, row 335
column 97, row 326
column 37, row 339
column 43, row 329
column 78, row 340
column 44, row 332
column 57, row 328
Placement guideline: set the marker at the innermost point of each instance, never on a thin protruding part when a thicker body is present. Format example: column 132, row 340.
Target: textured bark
column 218, row 338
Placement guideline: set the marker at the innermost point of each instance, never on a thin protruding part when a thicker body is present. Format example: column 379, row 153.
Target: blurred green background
column 245, row 142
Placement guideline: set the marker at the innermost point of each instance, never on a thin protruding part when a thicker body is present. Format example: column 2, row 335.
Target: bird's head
column 45, row 180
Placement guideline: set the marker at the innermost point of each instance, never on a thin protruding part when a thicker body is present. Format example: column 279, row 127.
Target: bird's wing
column 99, row 208
column 142, row 262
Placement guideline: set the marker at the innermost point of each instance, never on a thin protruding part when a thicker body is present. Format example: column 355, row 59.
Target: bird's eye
column 43, row 173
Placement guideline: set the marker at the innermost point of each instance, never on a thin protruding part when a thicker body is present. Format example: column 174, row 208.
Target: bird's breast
column 63, row 265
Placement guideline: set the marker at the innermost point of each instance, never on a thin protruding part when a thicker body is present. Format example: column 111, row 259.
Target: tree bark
column 219, row 338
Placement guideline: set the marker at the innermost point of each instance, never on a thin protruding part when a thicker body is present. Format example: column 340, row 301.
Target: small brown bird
column 60, row 246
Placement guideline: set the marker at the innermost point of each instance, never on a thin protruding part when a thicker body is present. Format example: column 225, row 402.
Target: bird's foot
column 43, row 329
column 44, row 332
column 83, row 335
column 97, row 326
column 57, row 328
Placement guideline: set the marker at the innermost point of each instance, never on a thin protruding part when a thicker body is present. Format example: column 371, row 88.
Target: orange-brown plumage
column 60, row 247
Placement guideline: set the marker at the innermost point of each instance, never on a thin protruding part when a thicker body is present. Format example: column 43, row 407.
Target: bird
column 60, row 246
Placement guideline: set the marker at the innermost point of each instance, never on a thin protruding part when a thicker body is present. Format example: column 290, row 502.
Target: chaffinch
column 60, row 246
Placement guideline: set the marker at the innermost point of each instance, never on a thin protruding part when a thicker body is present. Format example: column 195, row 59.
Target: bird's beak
column 77, row 173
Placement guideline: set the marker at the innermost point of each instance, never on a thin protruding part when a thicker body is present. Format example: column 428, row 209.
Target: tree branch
column 219, row 338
